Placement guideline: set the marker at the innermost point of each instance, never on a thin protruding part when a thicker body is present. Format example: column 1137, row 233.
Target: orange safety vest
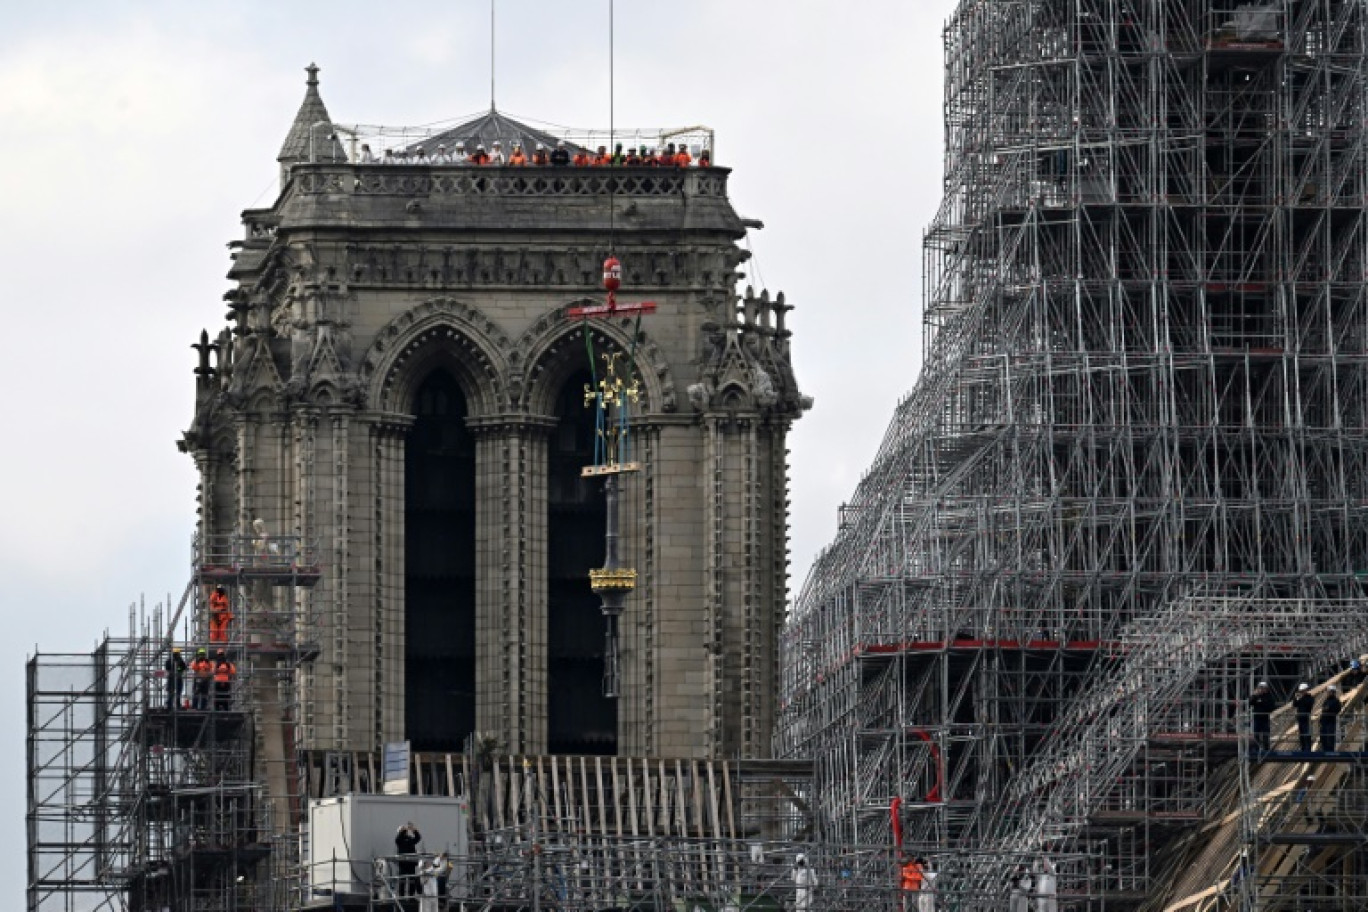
column 683, row 159
column 912, row 877
column 517, row 158
column 224, row 671
column 602, row 160
column 480, row 158
column 540, row 158
column 202, row 668
column 218, row 601
column 581, row 160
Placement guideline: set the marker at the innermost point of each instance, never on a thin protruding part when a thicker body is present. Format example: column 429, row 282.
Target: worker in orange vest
column 479, row 156
column 602, row 158
column 224, row 672
column 220, row 615
column 540, row 157
column 202, row 671
column 705, row 159
column 911, row 881
column 517, row 158
column 682, row 158
column 581, row 159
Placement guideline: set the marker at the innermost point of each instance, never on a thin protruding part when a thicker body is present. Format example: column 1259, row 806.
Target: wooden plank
column 681, row 808
column 631, row 799
column 540, row 785
column 451, row 777
column 583, row 803
column 696, row 782
column 515, row 796
column 498, row 796
column 714, row 812
column 556, row 793
column 648, row 798
column 602, row 801
column 729, row 800
column 418, row 772
column 617, row 797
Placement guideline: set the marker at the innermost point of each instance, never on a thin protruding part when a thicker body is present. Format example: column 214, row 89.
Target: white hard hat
column 1303, row 686
column 496, row 142
column 540, row 146
column 801, row 858
column 1263, row 683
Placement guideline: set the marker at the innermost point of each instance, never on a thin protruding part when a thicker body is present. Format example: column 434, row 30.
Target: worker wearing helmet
column 1303, row 702
column 479, row 156
column 224, row 672
column 539, row 156
column 560, row 156
column 202, row 672
column 517, row 157
column 682, row 158
column 496, row 154
column 220, row 615
column 1261, row 702
column 175, row 678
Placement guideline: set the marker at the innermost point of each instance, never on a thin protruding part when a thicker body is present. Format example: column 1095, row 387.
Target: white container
column 347, row 834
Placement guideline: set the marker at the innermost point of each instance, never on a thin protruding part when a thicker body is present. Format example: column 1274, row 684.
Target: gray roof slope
column 312, row 111
column 483, row 130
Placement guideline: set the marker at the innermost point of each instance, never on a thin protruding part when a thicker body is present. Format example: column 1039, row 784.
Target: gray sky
column 135, row 133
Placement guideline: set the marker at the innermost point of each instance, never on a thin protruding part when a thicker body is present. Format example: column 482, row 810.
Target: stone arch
column 553, row 349
column 438, row 333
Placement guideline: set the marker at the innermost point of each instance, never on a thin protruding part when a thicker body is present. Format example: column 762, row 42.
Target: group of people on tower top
column 206, row 674
column 671, row 156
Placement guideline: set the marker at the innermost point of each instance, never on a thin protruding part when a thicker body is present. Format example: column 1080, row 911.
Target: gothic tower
column 401, row 387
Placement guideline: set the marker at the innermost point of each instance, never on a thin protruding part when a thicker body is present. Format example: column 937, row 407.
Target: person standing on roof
column 1303, row 703
column 618, row 158
column 224, row 672
column 367, row 156
column 705, row 159
column 804, row 882
column 1329, row 718
column 560, row 156
column 458, row 157
column 682, row 158
column 496, row 155
column 582, row 159
column 632, row 158
column 539, row 156
column 389, row 158
column 442, row 157
column 202, row 671
column 1261, row 702
column 517, row 157
column 479, row 156
column 1353, row 677
column 220, row 615
column 175, row 678
column 602, row 158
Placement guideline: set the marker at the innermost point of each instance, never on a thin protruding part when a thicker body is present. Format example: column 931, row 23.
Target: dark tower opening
column 580, row 720
column 439, row 569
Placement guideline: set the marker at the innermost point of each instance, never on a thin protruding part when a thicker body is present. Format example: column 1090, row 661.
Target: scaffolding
column 150, row 790
column 1143, row 392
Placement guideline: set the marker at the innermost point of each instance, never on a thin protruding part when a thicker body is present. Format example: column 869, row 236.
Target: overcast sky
column 135, row 133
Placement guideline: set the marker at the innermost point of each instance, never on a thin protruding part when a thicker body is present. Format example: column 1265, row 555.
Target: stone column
column 388, row 436
column 510, row 579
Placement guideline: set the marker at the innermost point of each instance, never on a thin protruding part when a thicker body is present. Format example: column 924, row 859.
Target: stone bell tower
column 399, row 384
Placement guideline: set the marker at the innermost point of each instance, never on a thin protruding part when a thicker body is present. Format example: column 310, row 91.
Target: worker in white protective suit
column 805, row 884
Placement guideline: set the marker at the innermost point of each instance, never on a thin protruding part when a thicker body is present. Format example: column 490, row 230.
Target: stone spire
column 306, row 136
